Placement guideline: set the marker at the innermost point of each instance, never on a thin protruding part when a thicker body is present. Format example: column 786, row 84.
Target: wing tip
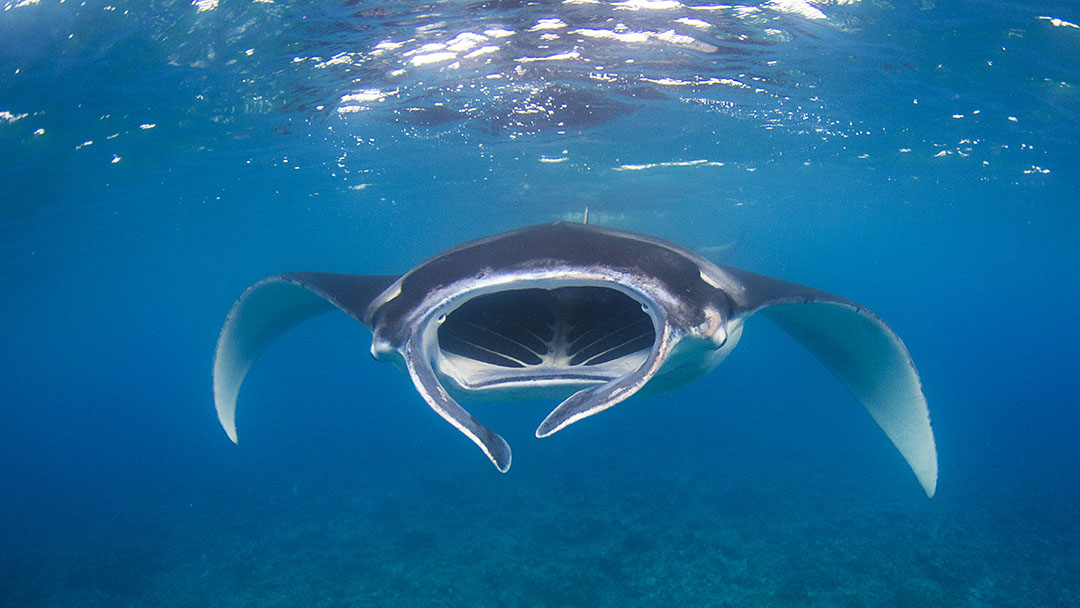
column 226, row 414
column 928, row 475
column 226, row 389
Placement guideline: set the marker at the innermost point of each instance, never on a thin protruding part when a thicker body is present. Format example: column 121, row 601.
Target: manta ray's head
column 590, row 335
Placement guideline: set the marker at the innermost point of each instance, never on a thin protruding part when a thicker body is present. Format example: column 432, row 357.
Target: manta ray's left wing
column 270, row 308
column 862, row 351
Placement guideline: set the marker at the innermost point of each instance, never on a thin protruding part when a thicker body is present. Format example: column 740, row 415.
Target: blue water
column 158, row 157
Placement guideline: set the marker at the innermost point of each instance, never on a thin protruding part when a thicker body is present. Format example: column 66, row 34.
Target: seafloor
column 632, row 532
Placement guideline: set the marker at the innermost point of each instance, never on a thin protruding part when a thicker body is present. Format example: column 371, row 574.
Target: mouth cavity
column 566, row 329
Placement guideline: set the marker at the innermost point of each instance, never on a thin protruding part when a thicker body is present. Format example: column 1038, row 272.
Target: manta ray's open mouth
column 551, row 331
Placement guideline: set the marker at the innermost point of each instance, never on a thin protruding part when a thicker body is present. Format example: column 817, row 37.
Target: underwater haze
column 157, row 157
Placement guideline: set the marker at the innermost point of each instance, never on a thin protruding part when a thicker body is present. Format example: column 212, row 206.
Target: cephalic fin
column 596, row 399
column 433, row 392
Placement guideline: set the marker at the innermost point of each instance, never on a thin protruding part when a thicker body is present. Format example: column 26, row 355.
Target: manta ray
column 582, row 313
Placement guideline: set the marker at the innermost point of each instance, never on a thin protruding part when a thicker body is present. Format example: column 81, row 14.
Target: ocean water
column 157, row 157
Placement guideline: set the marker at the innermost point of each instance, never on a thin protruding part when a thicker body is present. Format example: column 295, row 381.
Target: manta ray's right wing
column 270, row 308
column 859, row 349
